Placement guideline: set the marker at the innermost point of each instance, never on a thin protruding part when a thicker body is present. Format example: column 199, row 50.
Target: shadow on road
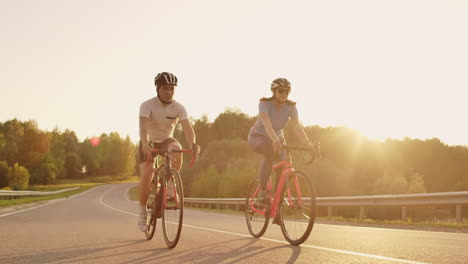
column 74, row 254
column 232, row 251
column 129, row 252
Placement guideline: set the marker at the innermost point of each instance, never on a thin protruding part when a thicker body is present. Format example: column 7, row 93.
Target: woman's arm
column 299, row 131
column 269, row 129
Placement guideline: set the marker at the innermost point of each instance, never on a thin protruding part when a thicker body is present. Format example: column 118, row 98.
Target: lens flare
column 95, row 141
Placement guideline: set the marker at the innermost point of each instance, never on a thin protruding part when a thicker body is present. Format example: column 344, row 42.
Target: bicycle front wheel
column 173, row 208
column 297, row 209
column 256, row 214
column 151, row 212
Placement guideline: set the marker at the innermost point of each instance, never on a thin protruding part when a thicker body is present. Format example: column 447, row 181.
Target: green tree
column 2, row 140
column 57, row 152
column 18, row 177
column 232, row 124
column 70, row 141
column 3, row 174
column 46, row 173
column 90, row 157
column 34, row 146
column 73, row 165
column 115, row 155
column 13, row 132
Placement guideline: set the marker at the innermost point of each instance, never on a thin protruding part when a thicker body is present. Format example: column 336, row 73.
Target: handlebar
column 315, row 150
column 169, row 151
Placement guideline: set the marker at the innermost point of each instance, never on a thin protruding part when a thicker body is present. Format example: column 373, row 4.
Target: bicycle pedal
column 276, row 221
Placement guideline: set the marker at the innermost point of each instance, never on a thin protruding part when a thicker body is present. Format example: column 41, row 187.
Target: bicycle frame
column 167, row 164
column 287, row 168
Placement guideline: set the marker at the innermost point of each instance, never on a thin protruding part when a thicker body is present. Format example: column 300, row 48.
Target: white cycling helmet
column 165, row 78
column 280, row 82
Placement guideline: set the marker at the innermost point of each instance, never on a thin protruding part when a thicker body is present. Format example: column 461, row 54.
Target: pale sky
column 384, row 68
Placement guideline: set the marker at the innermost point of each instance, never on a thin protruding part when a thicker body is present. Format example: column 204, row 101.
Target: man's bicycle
column 166, row 198
column 293, row 203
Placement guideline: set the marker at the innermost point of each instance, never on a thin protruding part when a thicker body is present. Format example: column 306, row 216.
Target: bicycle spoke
column 172, row 208
column 298, row 208
column 255, row 213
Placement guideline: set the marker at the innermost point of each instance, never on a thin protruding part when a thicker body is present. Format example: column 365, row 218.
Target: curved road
column 99, row 226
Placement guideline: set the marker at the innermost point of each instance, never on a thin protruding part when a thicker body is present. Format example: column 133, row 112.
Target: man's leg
column 146, row 172
column 144, row 183
column 176, row 158
column 176, row 161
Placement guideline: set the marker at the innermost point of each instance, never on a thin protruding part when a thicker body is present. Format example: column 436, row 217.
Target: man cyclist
column 158, row 118
column 266, row 135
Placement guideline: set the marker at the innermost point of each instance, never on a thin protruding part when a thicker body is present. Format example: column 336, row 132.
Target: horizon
column 135, row 140
column 386, row 69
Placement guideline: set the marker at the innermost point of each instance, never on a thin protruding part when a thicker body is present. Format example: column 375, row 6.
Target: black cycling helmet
column 280, row 82
column 165, row 78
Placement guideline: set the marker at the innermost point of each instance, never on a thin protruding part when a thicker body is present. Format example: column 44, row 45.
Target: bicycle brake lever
column 194, row 159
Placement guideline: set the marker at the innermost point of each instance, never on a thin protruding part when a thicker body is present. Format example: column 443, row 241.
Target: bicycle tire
column 173, row 210
column 256, row 222
column 296, row 218
column 151, row 206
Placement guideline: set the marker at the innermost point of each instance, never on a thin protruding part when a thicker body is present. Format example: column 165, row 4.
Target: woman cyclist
column 266, row 135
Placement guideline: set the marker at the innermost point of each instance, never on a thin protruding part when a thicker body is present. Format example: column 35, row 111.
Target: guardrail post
column 404, row 215
column 458, row 209
column 237, row 207
column 330, row 212
column 362, row 213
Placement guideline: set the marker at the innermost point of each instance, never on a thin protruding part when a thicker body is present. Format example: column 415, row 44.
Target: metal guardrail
column 427, row 199
column 8, row 195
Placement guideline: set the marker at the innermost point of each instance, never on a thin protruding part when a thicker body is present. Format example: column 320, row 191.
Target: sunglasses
column 282, row 90
column 168, row 88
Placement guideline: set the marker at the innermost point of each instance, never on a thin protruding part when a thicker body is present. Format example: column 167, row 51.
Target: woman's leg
column 263, row 145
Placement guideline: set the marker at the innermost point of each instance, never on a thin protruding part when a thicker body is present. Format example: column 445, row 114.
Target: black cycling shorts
column 163, row 145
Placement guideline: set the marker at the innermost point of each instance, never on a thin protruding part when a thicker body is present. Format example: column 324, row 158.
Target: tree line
column 31, row 156
column 351, row 165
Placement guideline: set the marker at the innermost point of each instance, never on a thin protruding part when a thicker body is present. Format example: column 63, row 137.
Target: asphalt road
column 99, row 226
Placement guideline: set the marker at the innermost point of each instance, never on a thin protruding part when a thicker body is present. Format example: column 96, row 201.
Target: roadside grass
column 84, row 184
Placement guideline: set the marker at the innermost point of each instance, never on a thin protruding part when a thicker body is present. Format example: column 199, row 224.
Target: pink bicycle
column 293, row 204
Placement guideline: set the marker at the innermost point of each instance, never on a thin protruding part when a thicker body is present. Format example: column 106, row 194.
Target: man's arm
column 144, row 134
column 188, row 132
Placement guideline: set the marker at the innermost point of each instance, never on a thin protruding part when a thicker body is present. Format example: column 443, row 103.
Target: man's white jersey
column 163, row 118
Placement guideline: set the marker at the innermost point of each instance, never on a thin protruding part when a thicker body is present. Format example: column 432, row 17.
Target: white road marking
column 126, row 194
column 102, row 196
column 279, row 241
column 48, row 203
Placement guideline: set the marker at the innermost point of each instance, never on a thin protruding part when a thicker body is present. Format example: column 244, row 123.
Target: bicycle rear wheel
column 173, row 208
column 256, row 214
column 151, row 209
column 297, row 210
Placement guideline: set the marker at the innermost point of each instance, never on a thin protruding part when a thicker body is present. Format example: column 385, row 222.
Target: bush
column 46, row 173
column 206, row 184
